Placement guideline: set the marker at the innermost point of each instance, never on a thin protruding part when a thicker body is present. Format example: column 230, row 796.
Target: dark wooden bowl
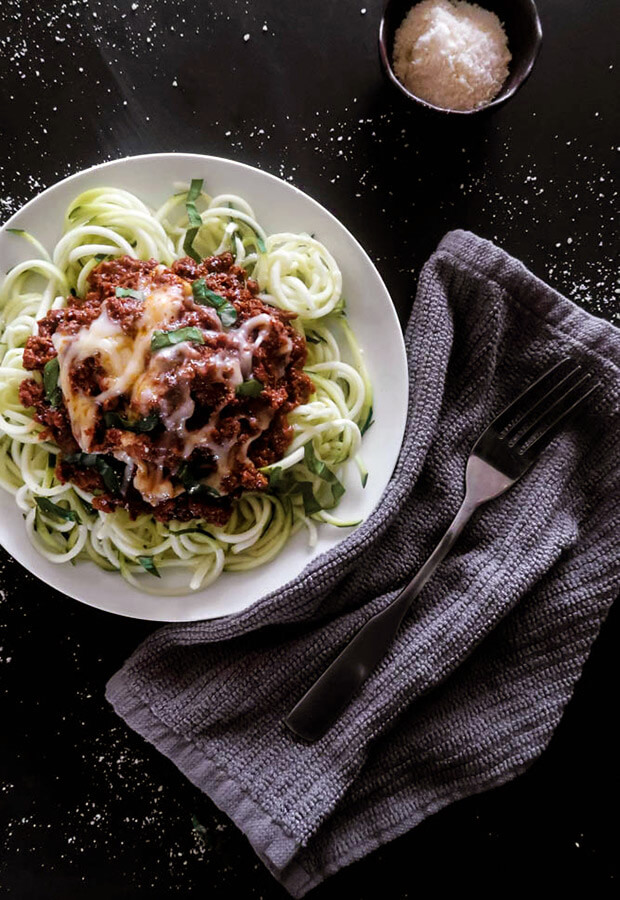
column 521, row 22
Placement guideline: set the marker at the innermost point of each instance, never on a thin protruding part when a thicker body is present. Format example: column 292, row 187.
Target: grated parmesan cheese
column 451, row 53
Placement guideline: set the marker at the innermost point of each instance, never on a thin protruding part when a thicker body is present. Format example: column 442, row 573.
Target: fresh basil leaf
column 161, row 339
column 316, row 339
column 51, row 373
column 100, row 257
column 250, row 388
column 51, row 460
column 369, row 421
column 364, row 479
column 148, row 565
column 192, row 485
column 52, row 509
column 259, row 242
column 195, row 190
column 206, row 297
column 276, row 477
column 195, row 221
column 140, row 426
column 18, row 231
column 129, row 292
column 90, row 509
column 340, row 309
column 311, row 504
column 227, row 314
column 98, row 462
column 338, row 489
column 316, row 465
column 283, row 482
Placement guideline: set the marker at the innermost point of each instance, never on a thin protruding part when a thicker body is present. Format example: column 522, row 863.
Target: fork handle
column 319, row 708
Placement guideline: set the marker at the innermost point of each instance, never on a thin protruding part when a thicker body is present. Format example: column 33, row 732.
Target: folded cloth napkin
column 487, row 658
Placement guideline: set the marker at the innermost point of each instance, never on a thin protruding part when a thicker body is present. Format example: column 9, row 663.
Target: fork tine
column 533, row 393
column 562, row 408
column 539, row 407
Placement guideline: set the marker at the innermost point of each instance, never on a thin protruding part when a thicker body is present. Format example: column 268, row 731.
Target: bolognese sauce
column 173, row 386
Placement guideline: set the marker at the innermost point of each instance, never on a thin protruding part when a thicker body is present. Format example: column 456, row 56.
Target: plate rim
column 205, row 159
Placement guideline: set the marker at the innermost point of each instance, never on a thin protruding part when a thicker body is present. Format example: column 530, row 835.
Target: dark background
column 87, row 809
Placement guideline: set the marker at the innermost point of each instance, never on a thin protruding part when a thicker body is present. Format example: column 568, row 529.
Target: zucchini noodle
column 296, row 273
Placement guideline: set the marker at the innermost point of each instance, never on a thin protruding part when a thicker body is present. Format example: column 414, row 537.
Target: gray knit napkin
column 488, row 657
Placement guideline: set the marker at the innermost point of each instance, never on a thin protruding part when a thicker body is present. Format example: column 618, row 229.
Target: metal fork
column 500, row 456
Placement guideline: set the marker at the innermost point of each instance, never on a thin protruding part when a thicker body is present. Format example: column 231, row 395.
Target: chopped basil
column 52, row 509
column 227, row 314
column 19, row 231
column 369, row 421
column 148, row 565
column 364, row 479
column 250, row 388
column 161, row 339
column 51, row 373
column 257, row 239
column 340, row 309
column 51, row 460
column 311, row 504
column 316, row 465
column 140, row 426
column 87, row 506
column 129, row 292
column 100, row 258
column 192, row 485
column 98, row 462
column 315, row 339
column 338, row 490
column 195, row 221
column 206, row 297
column 276, row 477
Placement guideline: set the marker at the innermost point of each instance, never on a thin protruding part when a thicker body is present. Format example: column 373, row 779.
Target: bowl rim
column 497, row 101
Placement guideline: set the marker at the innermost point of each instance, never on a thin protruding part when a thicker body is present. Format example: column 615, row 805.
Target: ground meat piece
column 188, row 268
column 124, row 271
column 183, row 508
column 37, row 352
column 87, row 376
column 252, row 431
column 56, row 419
column 272, row 444
column 87, row 479
column 31, row 393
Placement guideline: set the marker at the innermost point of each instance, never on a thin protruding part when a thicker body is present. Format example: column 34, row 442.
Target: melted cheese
column 122, row 357
column 131, row 370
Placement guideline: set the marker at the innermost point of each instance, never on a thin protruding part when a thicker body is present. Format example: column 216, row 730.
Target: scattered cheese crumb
column 246, row 37
column 451, row 53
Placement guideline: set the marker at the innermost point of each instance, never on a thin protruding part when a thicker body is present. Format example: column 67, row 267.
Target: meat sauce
column 180, row 433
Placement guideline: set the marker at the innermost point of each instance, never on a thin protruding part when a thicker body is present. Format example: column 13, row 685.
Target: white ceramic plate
column 279, row 207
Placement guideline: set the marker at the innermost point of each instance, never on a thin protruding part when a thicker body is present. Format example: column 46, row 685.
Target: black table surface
column 87, row 809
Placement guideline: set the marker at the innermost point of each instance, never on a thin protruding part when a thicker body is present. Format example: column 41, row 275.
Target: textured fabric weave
column 487, row 658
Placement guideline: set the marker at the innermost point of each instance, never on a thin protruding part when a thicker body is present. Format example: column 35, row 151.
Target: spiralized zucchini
column 295, row 272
